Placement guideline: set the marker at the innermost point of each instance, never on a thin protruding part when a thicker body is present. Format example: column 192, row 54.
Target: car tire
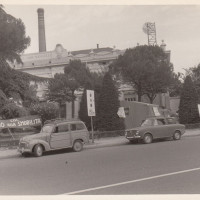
column 38, row 150
column 177, row 135
column 147, row 139
column 77, row 146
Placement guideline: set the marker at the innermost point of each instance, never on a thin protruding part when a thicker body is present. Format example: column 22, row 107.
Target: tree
column 188, row 108
column 108, row 105
column 94, row 84
column 13, row 84
column 78, row 76
column 13, row 40
column 83, row 112
column 63, row 86
column 46, row 111
column 146, row 69
column 11, row 110
column 195, row 75
column 176, row 84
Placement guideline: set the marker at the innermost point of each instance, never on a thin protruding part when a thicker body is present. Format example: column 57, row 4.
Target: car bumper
column 133, row 137
column 23, row 150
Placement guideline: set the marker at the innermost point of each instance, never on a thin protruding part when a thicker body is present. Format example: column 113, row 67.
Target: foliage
column 11, row 110
column 83, row 112
column 58, row 89
column 95, row 85
column 13, row 84
column 108, row 104
column 46, row 111
column 188, row 108
column 13, row 40
column 195, row 75
column 146, row 69
column 176, row 84
column 63, row 86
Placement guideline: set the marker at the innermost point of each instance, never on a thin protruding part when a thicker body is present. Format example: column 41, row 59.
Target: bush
column 108, row 105
column 46, row 111
column 188, row 108
column 11, row 110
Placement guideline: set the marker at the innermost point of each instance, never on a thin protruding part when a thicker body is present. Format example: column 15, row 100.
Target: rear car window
column 78, row 126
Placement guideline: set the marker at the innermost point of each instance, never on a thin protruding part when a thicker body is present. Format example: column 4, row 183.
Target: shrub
column 188, row 108
column 11, row 110
column 46, row 111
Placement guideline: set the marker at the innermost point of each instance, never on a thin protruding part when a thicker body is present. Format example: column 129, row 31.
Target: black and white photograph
column 100, row 98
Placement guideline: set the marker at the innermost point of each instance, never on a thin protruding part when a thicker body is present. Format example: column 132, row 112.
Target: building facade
column 48, row 63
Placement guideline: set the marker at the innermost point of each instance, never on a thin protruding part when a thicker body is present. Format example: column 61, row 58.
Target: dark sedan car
column 155, row 128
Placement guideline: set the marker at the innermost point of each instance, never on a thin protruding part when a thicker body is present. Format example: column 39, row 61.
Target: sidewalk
column 98, row 143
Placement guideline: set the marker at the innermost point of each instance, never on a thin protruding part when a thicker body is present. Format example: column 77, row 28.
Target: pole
column 92, row 130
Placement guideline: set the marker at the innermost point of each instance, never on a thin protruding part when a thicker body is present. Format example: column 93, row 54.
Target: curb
column 13, row 152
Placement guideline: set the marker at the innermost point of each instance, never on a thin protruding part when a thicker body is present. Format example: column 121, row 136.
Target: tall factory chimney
column 41, row 30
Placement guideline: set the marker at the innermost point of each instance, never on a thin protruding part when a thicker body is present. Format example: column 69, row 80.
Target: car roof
column 159, row 117
column 61, row 120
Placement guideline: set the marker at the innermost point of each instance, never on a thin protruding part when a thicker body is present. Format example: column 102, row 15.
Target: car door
column 79, row 131
column 163, row 131
column 158, row 128
column 172, row 126
column 61, row 137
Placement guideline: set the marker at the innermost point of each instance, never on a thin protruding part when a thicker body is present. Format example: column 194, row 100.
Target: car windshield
column 47, row 128
column 147, row 122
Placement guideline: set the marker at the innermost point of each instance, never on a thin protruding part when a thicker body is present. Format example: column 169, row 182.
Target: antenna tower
column 150, row 29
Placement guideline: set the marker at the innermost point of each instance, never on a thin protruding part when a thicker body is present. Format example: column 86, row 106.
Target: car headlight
column 137, row 133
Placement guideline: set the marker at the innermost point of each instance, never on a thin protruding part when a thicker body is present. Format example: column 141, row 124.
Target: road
column 164, row 167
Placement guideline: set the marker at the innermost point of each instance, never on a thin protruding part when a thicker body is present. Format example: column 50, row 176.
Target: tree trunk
column 139, row 95
column 73, row 106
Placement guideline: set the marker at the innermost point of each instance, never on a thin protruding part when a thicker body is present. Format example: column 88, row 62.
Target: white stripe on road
column 133, row 181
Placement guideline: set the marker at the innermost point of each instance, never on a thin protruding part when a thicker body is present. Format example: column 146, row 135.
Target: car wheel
column 38, row 150
column 177, row 135
column 78, row 146
column 147, row 138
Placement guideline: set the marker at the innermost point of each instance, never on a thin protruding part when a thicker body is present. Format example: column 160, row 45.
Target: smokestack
column 41, row 30
column 97, row 46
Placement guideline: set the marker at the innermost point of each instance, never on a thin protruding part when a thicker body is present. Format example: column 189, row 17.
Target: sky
column 83, row 26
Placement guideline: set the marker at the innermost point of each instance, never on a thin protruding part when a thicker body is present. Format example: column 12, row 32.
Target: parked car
column 154, row 128
column 55, row 134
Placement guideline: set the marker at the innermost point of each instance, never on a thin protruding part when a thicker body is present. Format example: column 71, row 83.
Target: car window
column 161, row 121
column 78, row 126
column 47, row 128
column 148, row 122
column 62, row 128
column 155, row 122
column 171, row 121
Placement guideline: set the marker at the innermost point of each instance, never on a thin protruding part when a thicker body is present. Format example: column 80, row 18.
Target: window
column 47, row 129
column 161, row 121
column 79, row 126
column 73, row 127
column 62, row 128
column 171, row 121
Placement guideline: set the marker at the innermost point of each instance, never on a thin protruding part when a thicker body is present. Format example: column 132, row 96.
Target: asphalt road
column 164, row 167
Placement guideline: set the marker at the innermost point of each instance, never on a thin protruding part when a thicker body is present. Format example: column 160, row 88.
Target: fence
column 104, row 134
column 11, row 140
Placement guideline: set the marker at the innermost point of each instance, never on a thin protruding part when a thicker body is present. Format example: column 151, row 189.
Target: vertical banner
column 121, row 112
column 199, row 108
column 90, row 103
column 156, row 111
